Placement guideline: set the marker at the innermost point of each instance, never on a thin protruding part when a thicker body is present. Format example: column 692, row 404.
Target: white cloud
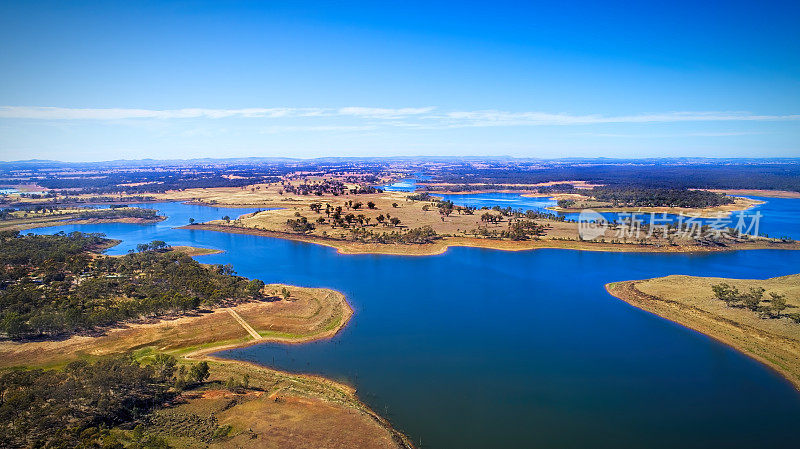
column 383, row 112
column 668, row 135
column 423, row 117
column 53, row 113
column 323, row 128
column 502, row 118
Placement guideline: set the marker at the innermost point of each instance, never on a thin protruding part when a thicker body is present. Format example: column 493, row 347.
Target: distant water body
column 479, row 348
column 778, row 216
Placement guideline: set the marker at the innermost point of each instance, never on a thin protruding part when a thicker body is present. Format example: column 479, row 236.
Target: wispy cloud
column 502, row 118
column 322, row 128
column 383, row 112
column 56, row 113
column 668, row 135
column 421, row 117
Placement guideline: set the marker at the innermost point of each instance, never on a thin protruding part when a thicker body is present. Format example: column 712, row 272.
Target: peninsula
column 760, row 318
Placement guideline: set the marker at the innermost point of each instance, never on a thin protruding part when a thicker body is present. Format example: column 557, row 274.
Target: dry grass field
column 690, row 301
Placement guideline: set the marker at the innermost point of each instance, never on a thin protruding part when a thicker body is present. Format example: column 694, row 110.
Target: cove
column 480, row 348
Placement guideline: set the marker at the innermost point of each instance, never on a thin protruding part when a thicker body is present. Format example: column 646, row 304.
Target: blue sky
column 128, row 80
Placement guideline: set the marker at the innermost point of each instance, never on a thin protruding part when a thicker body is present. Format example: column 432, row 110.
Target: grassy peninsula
column 760, row 318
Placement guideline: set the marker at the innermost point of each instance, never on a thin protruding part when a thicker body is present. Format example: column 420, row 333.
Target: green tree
column 164, row 365
column 254, row 287
column 231, row 384
column 753, row 297
column 726, row 293
column 199, row 372
column 777, row 303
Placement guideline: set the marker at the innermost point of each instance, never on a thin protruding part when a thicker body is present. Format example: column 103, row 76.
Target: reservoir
column 480, row 348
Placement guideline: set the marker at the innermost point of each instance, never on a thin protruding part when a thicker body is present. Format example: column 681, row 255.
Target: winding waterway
column 479, row 348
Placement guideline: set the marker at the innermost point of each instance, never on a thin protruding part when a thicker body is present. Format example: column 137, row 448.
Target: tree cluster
column 752, row 300
column 657, row 197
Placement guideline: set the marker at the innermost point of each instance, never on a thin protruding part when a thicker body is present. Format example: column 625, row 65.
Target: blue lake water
column 480, row 348
column 778, row 216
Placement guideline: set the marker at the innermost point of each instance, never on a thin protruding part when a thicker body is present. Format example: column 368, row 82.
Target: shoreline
column 708, row 324
column 211, row 355
column 442, row 245
column 83, row 221
column 194, row 251
column 324, row 335
column 351, row 392
column 757, row 192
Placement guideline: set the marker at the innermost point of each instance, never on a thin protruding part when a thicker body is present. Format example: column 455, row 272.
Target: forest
column 77, row 406
column 652, row 197
column 51, row 285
